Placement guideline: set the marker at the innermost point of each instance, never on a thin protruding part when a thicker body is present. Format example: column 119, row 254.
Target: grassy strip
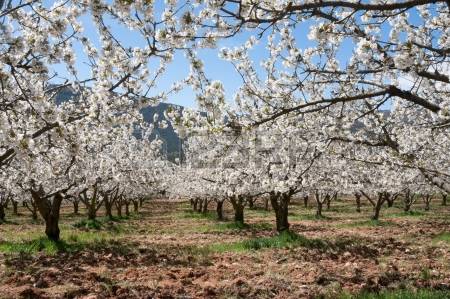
column 400, row 294
column 367, row 223
column 442, row 237
column 283, row 240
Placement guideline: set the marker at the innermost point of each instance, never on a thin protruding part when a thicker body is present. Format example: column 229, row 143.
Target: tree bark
column 49, row 210
column 219, row 210
column 378, row 205
column 135, row 206
column 108, row 206
column 119, row 209
column 427, row 199
column 238, row 205
column 408, row 201
column 444, row 199
column 266, row 204
column 251, row 203
column 15, row 205
column 127, row 208
column 195, row 204
column 358, row 202
column 239, row 214
column 280, row 205
column 2, row 213
column 320, row 202
column 305, row 201
column 75, row 207
column 205, row 206
column 200, row 205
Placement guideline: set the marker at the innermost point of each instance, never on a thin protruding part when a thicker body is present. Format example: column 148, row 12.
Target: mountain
column 172, row 144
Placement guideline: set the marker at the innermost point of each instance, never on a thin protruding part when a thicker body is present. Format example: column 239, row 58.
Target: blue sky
column 215, row 68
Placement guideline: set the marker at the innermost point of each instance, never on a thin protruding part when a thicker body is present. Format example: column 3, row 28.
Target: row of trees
column 306, row 119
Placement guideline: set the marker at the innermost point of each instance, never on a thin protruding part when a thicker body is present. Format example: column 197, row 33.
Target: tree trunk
column 319, row 209
column 205, row 206
column 127, row 208
column 219, row 210
column 92, row 212
column 305, row 201
column 108, row 206
column 195, row 204
column 358, row 202
column 75, row 207
column 141, row 202
column 239, row 214
column 15, row 207
column 328, row 201
column 280, row 205
column 319, row 202
column 2, row 213
column 49, row 210
column 251, row 203
column 444, row 199
column 238, row 206
column 378, row 205
column 408, row 201
column 427, row 200
column 266, row 204
column 135, row 206
column 119, row 209
column 200, row 205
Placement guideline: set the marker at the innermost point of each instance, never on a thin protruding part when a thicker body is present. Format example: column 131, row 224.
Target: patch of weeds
column 282, row 240
column 102, row 223
column 399, row 294
column 89, row 224
column 237, row 225
column 442, row 237
column 367, row 223
column 408, row 214
column 307, row 217
column 425, row 274
column 199, row 215
column 41, row 244
column 259, row 211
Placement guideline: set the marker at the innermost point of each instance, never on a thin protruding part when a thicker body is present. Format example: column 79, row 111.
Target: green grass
column 236, row 226
column 407, row 214
column 70, row 242
column 99, row 223
column 401, row 294
column 283, row 240
column 442, row 237
column 41, row 244
column 198, row 215
column 367, row 223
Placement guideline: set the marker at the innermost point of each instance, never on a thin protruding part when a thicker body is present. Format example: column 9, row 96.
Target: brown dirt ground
column 158, row 254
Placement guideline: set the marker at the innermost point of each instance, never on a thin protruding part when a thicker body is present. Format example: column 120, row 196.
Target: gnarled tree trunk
column 15, row 205
column 427, row 200
column 280, row 205
column 238, row 203
column 358, row 202
column 408, row 200
column 205, row 206
column 75, row 206
column 135, row 206
column 219, row 209
column 49, row 210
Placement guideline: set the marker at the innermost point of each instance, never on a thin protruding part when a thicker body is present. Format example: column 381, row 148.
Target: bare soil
column 163, row 253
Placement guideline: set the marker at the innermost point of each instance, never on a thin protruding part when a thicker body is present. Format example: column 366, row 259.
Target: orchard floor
column 167, row 251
